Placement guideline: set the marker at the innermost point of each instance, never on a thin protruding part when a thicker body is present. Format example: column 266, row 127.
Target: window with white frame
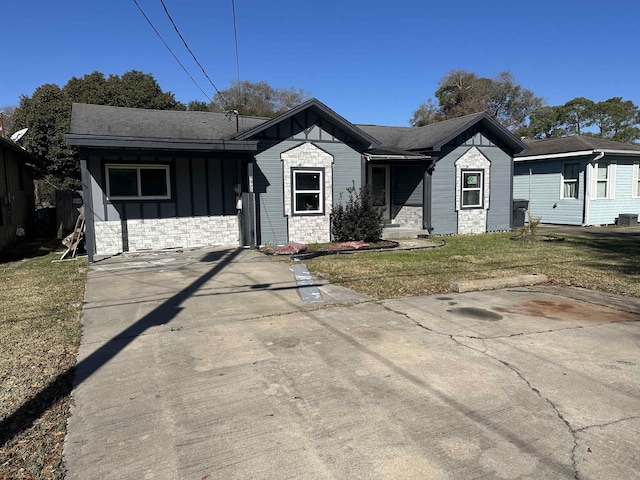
column 138, row 182
column 472, row 189
column 570, row 175
column 308, row 191
column 604, row 174
column 635, row 189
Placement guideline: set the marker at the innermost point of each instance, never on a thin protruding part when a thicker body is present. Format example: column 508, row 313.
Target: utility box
column 628, row 219
column 519, row 213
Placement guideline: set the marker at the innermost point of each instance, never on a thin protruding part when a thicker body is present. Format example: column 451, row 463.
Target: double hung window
column 472, row 189
column 570, row 175
column 308, row 191
column 603, row 180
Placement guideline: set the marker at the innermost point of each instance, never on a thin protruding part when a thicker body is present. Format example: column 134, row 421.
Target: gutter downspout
column 587, row 185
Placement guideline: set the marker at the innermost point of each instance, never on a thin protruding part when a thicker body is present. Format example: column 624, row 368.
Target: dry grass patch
column 610, row 264
column 40, row 305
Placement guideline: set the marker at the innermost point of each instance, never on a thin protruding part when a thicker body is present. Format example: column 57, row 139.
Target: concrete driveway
column 207, row 365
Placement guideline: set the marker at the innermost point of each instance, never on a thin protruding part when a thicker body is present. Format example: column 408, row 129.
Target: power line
column 171, row 51
column 192, row 54
column 235, row 34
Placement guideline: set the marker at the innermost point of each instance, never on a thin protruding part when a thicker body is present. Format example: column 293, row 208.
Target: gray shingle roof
column 436, row 135
column 576, row 143
column 121, row 126
column 101, row 120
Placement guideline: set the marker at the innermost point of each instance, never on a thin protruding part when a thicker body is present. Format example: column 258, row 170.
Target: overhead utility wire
column 235, row 34
column 192, row 54
column 171, row 51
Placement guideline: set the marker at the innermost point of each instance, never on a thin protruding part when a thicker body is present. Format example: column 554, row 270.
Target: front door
column 379, row 181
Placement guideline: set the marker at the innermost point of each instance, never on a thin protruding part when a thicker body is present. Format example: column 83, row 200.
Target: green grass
column 40, row 306
column 604, row 262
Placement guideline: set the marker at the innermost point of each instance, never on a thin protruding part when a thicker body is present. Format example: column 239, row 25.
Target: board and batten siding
column 201, row 188
column 546, row 190
column 605, row 211
column 269, row 179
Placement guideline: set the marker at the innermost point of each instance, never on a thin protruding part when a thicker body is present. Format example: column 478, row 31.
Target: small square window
column 308, row 191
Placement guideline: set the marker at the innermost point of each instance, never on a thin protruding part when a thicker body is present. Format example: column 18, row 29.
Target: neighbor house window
column 132, row 182
column 604, row 173
column 570, row 174
column 635, row 192
column 472, row 189
column 308, row 192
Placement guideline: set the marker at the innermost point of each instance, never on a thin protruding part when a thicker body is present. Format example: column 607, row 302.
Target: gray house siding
column 197, row 189
column 269, row 179
column 443, row 215
column 407, row 185
column 499, row 213
column 443, row 194
column 201, row 187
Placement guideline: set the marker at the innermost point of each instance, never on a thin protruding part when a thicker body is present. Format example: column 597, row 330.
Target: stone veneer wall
column 157, row 234
column 312, row 228
column 407, row 216
column 472, row 220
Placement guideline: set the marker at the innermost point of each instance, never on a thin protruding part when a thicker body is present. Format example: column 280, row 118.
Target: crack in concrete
column 511, row 367
column 555, row 408
column 613, row 422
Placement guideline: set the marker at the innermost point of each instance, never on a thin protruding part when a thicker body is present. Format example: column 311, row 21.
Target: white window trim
column 138, row 167
column 610, row 181
column 635, row 186
column 319, row 191
column 479, row 188
column 563, row 181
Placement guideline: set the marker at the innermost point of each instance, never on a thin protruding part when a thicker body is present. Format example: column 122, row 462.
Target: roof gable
column 435, row 136
column 324, row 116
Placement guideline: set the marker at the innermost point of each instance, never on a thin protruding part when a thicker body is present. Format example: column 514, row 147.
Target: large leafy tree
column 617, row 119
column 614, row 119
column 257, row 99
column 461, row 93
column 47, row 114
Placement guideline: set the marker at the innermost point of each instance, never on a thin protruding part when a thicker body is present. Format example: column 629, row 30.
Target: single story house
column 17, row 209
column 578, row 180
column 157, row 179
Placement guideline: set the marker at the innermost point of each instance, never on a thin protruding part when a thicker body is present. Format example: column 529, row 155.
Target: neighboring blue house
column 155, row 179
column 578, row 180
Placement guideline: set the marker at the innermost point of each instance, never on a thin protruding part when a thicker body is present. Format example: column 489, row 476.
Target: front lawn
column 40, row 305
column 600, row 262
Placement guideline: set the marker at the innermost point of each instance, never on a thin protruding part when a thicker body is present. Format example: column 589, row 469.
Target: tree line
column 47, row 112
column 517, row 108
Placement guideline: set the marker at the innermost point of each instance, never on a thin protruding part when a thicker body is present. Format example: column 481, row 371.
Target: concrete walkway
column 207, row 364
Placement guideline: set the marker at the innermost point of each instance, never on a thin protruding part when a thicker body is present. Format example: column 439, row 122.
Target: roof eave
column 106, row 141
column 579, row 153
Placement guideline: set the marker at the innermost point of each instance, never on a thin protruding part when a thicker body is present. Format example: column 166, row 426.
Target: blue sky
column 371, row 61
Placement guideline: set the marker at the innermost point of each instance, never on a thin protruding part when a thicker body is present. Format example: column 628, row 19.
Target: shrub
column 359, row 218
